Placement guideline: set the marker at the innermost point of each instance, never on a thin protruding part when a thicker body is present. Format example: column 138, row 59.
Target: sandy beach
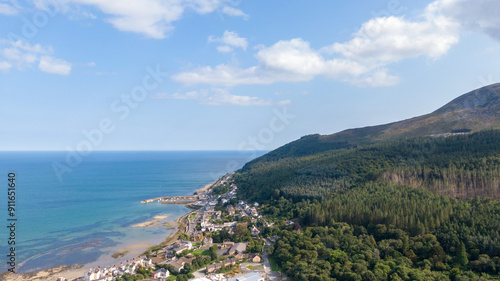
column 205, row 188
column 155, row 221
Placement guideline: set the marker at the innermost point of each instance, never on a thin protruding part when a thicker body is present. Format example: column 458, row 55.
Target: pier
column 175, row 199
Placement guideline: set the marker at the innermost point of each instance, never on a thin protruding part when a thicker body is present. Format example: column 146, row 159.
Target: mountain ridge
column 474, row 111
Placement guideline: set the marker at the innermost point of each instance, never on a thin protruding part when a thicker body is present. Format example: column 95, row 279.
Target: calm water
column 88, row 215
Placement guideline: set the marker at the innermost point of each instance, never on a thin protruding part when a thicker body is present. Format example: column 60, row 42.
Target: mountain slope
column 429, row 151
column 380, row 203
column 472, row 112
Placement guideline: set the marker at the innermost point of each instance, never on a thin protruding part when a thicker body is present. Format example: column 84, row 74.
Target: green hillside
column 411, row 200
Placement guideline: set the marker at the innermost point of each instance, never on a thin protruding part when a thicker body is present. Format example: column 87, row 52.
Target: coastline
column 71, row 272
column 206, row 187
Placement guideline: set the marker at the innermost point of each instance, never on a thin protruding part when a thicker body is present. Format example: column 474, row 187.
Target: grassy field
column 252, row 267
column 201, row 252
column 191, row 217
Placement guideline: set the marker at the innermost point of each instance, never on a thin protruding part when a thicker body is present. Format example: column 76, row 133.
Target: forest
column 411, row 209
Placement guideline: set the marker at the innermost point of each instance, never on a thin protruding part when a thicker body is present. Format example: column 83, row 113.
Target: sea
column 81, row 210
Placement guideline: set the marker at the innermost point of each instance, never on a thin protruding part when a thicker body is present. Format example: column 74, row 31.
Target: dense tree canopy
column 410, row 209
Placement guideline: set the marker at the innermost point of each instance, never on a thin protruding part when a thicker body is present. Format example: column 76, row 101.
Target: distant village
column 205, row 250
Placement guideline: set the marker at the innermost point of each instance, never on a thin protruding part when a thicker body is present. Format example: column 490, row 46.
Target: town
column 221, row 241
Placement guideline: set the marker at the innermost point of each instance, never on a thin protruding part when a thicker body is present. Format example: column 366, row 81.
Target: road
column 271, row 275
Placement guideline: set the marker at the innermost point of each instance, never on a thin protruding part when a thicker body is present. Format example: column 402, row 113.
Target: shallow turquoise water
column 89, row 213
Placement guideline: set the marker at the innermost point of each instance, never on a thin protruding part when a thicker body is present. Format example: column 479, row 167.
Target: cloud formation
column 474, row 15
column 152, row 18
column 234, row 12
column 21, row 56
column 365, row 58
column 8, row 9
column 220, row 97
column 228, row 41
column 52, row 65
column 286, row 61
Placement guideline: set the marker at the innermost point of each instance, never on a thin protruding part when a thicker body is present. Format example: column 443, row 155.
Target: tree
column 213, row 252
column 462, row 255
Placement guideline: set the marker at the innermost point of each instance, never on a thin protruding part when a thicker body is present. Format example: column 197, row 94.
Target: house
column 208, row 241
column 208, row 214
column 160, row 273
column 255, row 231
column 253, row 212
column 227, row 245
column 158, row 261
column 92, row 274
column 177, row 265
column 147, row 262
column 229, row 224
column 256, row 258
column 230, row 210
column 267, row 224
column 237, row 248
column 181, row 246
column 239, row 256
column 211, row 268
column 252, row 276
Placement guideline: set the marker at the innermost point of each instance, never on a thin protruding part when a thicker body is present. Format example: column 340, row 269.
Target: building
column 181, row 246
column 230, row 210
column 255, row 231
column 178, row 264
column 208, row 241
column 227, row 245
column 256, row 258
column 160, row 273
column 237, row 248
column 252, row 276
column 158, row 261
column 253, row 212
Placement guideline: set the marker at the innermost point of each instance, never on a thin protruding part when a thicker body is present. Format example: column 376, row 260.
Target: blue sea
column 86, row 215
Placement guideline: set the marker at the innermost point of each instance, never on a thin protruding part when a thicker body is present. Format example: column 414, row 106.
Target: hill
column 475, row 111
column 410, row 200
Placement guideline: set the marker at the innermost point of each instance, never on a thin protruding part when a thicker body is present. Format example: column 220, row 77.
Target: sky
column 87, row 75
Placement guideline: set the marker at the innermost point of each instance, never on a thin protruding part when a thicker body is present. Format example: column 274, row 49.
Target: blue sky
column 231, row 74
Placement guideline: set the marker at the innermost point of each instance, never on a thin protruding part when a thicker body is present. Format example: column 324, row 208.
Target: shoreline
column 206, row 187
column 74, row 271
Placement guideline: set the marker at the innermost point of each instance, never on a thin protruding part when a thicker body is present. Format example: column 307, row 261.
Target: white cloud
column 8, row 9
column 218, row 97
column 285, row 61
column 362, row 60
column 5, row 66
column 22, row 55
column 224, row 49
column 153, row 18
column 229, row 40
column 231, row 11
column 475, row 15
column 53, row 65
column 386, row 40
column 223, row 75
